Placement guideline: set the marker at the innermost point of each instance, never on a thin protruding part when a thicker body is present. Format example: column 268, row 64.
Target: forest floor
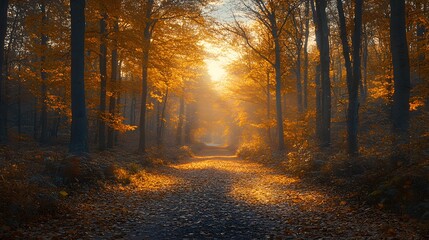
column 216, row 195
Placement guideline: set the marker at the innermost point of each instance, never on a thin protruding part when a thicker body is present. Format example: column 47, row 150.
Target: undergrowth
column 36, row 183
column 387, row 175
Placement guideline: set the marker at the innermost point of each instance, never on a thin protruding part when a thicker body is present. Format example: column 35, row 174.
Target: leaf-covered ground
column 217, row 196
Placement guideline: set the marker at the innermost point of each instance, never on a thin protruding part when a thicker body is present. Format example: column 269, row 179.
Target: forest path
column 216, row 195
column 224, row 197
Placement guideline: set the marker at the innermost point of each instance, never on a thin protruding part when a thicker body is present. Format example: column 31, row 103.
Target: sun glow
column 216, row 70
column 217, row 60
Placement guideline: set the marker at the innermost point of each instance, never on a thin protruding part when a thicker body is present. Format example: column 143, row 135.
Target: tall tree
column 79, row 126
column 181, row 119
column 401, row 68
column 325, row 82
column 103, row 82
column 44, row 75
column 306, row 35
column 317, row 75
column 114, row 77
column 3, row 112
column 353, row 108
column 147, row 35
column 353, row 72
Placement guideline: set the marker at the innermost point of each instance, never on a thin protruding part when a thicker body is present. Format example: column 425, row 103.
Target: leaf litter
column 217, row 197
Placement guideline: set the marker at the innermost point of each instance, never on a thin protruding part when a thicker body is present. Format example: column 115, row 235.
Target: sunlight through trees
column 334, row 91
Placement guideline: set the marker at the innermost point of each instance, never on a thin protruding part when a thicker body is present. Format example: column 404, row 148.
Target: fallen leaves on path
column 217, row 196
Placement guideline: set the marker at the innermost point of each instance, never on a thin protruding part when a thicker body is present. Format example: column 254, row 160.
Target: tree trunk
column 118, row 100
column 103, row 83
column 181, row 119
column 353, row 109
column 401, row 69
column 35, row 128
column 147, row 35
column 3, row 109
column 306, row 35
column 364, row 91
column 277, row 67
column 158, row 122
column 317, row 76
column 269, row 108
column 322, row 22
column 113, row 87
column 353, row 72
column 298, row 80
column 344, row 42
column 44, row 76
column 56, row 125
column 79, row 126
column 162, row 120
column 133, row 110
column 19, row 120
column 188, row 124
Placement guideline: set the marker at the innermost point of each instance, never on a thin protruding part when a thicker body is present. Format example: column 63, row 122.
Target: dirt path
column 218, row 196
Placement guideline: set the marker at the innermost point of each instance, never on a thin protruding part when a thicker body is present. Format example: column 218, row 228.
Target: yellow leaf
column 64, row 194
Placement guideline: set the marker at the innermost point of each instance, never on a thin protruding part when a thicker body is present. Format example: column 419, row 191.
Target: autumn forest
column 214, row 119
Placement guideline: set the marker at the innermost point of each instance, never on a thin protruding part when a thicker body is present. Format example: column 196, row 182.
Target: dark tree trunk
column 118, row 101
column 344, row 42
column 317, row 76
column 353, row 109
column 353, row 72
column 147, row 35
column 56, row 125
column 278, row 69
column 19, row 120
column 44, row 76
column 364, row 91
column 79, row 126
column 306, row 35
column 113, row 87
column 133, row 110
column 269, row 108
column 181, row 119
column 35, row 128
column 103, row 83
column 188, row 124
column 322, row 23
column 3, row 109
column 162, row 121
column 421, row 45
column 158, row 122
column 401, row 69
column 298, row 80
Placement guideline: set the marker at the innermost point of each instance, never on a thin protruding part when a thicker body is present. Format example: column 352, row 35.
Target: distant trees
column 355, row 52
column 156, row 13
column 146, row 59
column 273, row 16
